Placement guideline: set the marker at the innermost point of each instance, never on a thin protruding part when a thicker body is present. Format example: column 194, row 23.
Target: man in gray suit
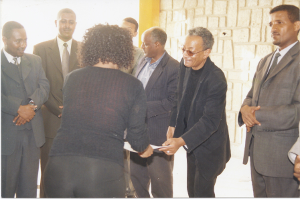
column 58, row 58
column 24, row 89
column 158, row 73
column 271, row 110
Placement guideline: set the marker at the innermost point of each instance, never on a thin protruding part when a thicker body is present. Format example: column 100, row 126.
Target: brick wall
column 242, row 38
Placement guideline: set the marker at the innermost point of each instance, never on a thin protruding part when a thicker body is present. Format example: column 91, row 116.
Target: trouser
column 197, row 185
column 266, row 186
column 83, row 177
column 158, row 168
column 130, row 192
column 19, row 170
column 45, row 149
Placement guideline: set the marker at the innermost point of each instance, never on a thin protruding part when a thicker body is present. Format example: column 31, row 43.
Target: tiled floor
column 235, row 181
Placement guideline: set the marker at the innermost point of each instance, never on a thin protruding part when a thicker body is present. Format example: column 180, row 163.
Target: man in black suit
column 199, row 116
column 158, row 73
column 53, row 53
column 24, row 89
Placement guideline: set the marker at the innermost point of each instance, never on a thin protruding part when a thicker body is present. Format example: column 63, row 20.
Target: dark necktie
column 274, row 64
column 65, row 60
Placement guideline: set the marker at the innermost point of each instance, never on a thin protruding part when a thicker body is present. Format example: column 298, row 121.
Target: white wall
column 38, row 16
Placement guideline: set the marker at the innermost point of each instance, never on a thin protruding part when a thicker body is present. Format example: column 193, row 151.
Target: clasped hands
column 248, row 116
column 25, row 114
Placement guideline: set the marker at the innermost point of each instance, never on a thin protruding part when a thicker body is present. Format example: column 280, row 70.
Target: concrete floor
column 235, row 181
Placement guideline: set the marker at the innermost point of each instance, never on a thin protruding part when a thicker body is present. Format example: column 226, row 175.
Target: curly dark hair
column 106, row 43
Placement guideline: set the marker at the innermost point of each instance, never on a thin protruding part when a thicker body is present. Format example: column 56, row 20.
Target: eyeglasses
column 190, row 53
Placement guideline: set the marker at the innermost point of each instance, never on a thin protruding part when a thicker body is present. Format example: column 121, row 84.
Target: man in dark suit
column 58, row 59
column 271, row 110
column 199, row 116
column 24, row 89
column 158, row 73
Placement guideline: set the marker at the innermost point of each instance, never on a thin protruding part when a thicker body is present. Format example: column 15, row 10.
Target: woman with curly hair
column 100, row 102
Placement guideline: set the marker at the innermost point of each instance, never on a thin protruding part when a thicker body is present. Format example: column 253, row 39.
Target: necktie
column 65, row 60
column 15, row 61
column 274, row 64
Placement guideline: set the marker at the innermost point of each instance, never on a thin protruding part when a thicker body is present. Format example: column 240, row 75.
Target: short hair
column 133, row 21
column 159, row 35
column 293, row 11
column 65, row 10
column 9, row 26
column 207, row 37
column 106, row 43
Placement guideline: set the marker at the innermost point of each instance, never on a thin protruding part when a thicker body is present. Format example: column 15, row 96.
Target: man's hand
column 248, row 128
column 297, row 167
column 173, row 144
column 170, row 132
column 248, row 115
column 61, row 107
column 26, row 112
column 19, row 120
column 148, row 152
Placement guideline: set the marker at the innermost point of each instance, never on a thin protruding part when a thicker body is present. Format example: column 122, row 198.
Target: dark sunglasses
column 190, row 53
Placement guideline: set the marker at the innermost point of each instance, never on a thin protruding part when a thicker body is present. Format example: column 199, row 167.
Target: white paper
column 127, row 146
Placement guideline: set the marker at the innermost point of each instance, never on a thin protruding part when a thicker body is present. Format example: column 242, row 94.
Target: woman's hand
column 148, row 152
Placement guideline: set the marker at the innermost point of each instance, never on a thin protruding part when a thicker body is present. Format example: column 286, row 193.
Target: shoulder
column 138, row 50
column 170, row 61
column 216, row 74
column 44, row 44
column 31, row 57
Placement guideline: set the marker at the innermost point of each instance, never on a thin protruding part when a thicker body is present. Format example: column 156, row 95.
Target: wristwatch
column 31, row 102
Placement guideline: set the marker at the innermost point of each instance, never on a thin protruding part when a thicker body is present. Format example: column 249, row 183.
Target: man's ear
column 207, row 53
column 297, row 25
column 4, row 39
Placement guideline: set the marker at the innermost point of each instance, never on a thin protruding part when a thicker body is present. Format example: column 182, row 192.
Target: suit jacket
column 279, row 98
column 160, row 92
column 51, row 63
column 37, row 88
column 205, row 132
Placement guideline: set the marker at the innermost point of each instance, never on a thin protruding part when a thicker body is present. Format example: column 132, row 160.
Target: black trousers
column 158, row 168
column 197, row 185
column 45, row 149
column 83, row 177
column 266, row 186
column 19, row 170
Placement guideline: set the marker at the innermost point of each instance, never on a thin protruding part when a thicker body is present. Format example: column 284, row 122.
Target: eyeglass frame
column 190, row 52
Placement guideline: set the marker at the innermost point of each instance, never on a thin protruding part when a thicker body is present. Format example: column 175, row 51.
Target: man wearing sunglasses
column 198, row 122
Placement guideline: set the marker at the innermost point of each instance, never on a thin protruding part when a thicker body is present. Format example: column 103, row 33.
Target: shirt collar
column 285, row 50
column 60, row 43
column 148, row 59
column 10, row 58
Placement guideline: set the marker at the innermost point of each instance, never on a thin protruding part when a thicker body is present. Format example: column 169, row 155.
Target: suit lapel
column 140, row 67
column 73, row 59
column 7, row 68
column 156, row 73
column 206, row 69
column 25, row 65
column 53, row 53
column 284, row 61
